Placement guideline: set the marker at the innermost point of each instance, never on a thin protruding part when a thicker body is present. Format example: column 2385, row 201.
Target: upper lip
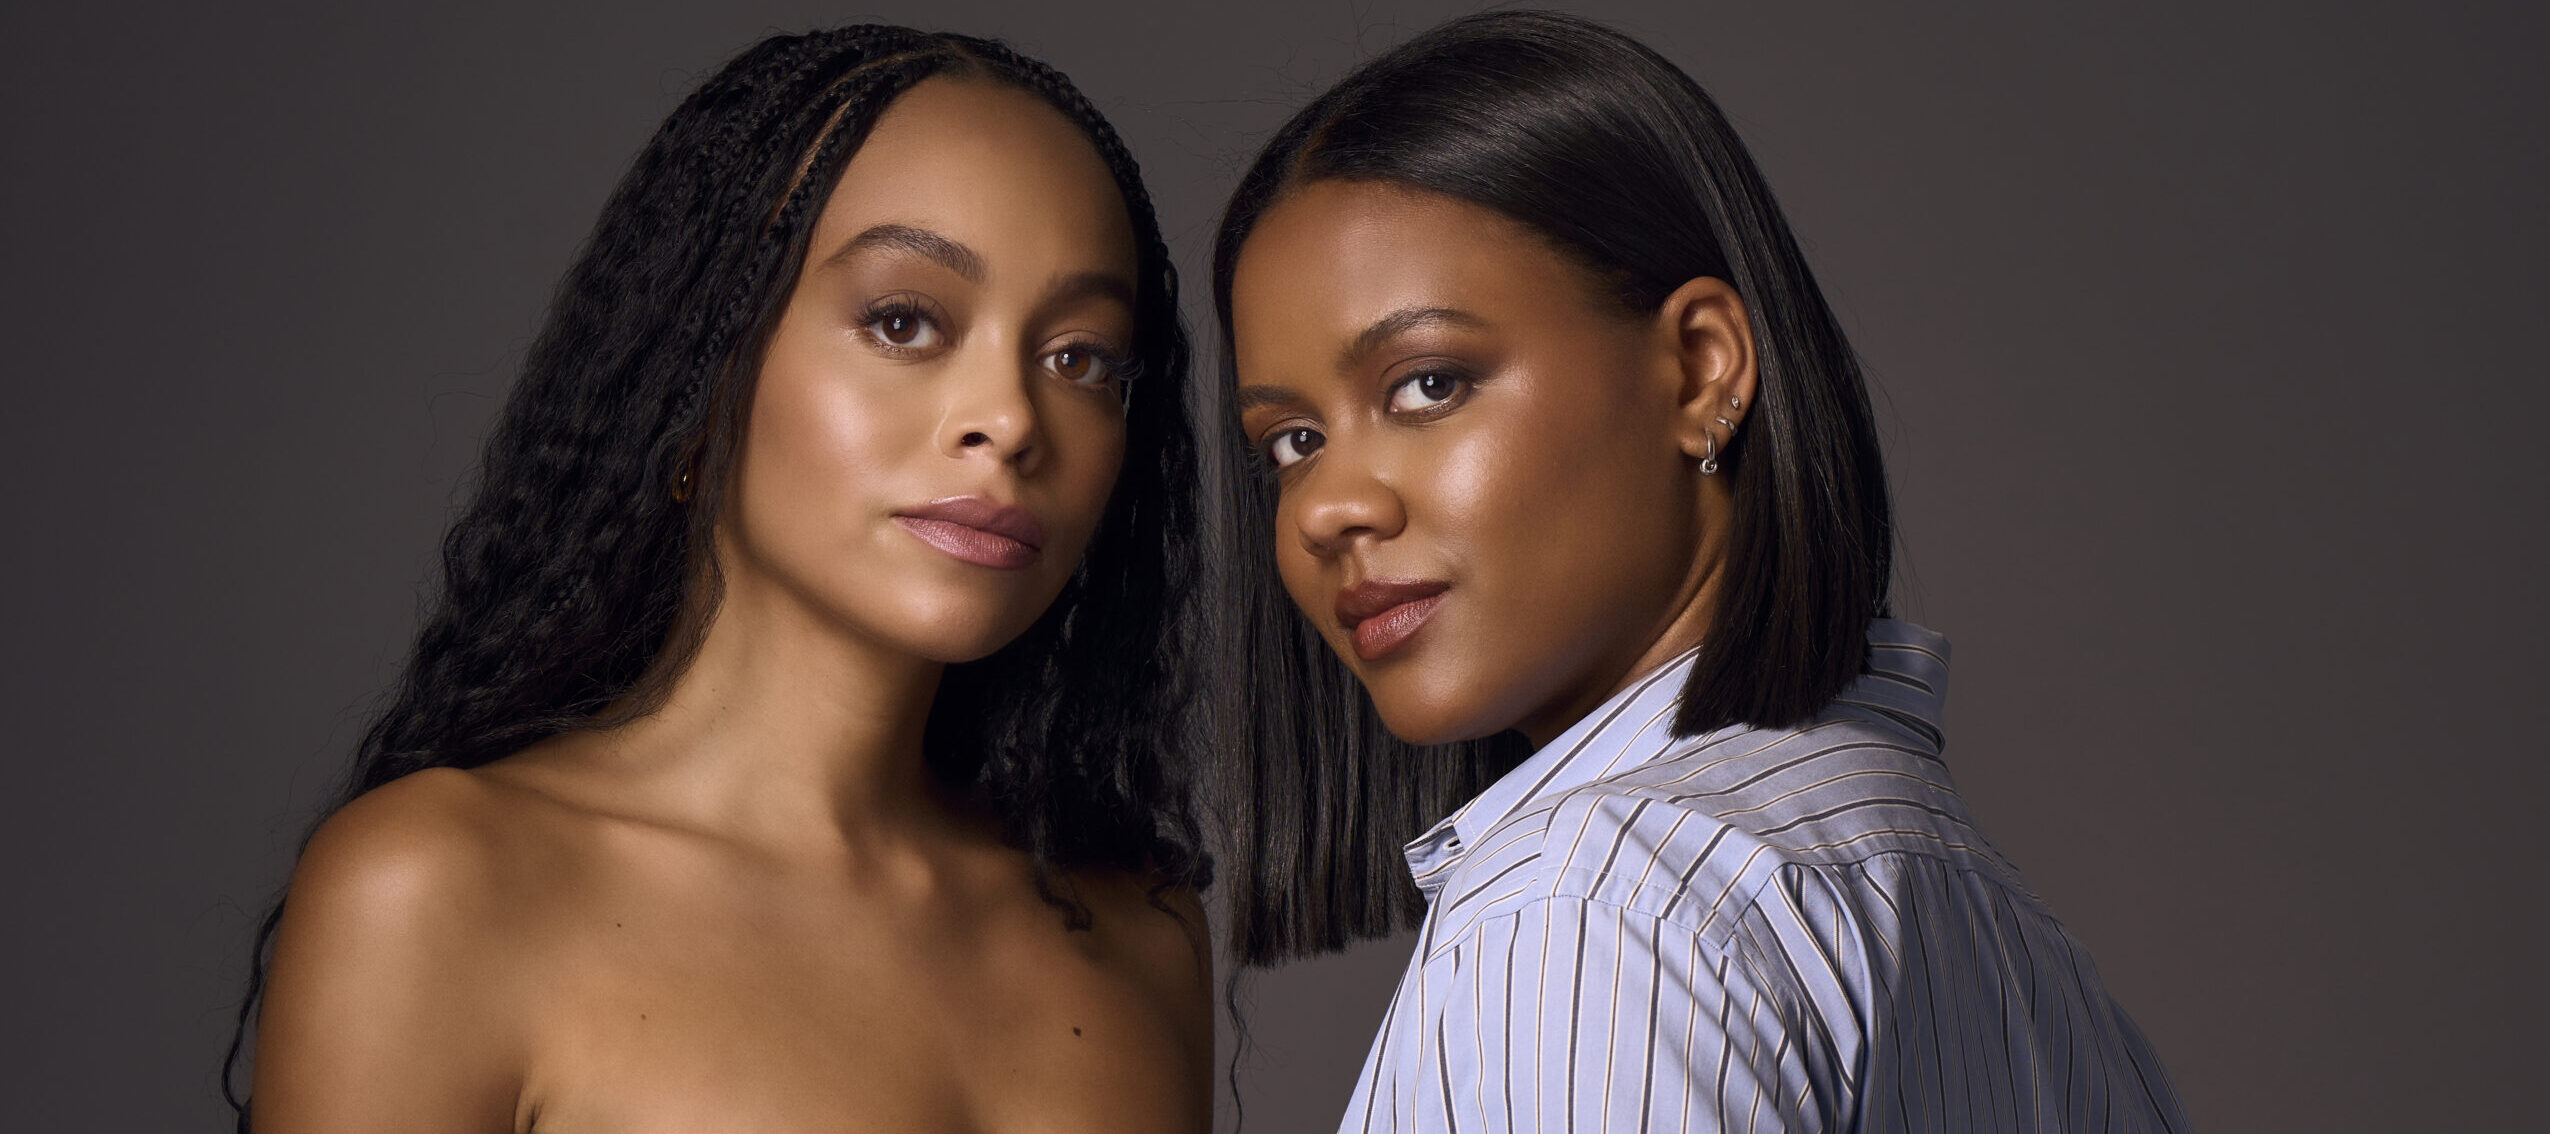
column 1372, row 596
column 1006, row 520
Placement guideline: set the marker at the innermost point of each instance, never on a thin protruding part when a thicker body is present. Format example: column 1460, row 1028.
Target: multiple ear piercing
column 1709, row 461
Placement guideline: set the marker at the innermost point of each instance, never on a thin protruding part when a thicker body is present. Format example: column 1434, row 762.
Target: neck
column 790, row 729
column 1683, row 623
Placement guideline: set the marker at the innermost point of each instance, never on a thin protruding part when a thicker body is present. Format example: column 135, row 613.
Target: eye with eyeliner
column 1415, row 396
column 1290, row 446
column 902, row 325
column 1430, row 388
column 1099, row 365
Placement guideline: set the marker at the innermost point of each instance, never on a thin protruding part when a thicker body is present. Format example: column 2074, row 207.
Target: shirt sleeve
column 1581, row 1016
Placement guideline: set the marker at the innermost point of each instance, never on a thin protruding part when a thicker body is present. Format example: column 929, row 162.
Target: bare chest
column 732, row 1016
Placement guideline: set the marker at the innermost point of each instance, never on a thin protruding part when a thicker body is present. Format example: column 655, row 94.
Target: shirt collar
column 1907, row 677
column 1634, row 725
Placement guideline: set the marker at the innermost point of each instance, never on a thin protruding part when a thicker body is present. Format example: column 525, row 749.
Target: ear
column 1705, row 324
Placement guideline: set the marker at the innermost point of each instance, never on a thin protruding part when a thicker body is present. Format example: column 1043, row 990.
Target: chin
column 1424, row 725
column 951, row 627
column 958, row 639
column 1422, row 707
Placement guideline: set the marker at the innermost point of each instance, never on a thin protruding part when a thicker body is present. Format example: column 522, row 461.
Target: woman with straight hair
column 1571, row 481
column 789, row 747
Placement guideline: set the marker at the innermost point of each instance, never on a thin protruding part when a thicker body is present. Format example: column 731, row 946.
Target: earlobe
column 1711, row 334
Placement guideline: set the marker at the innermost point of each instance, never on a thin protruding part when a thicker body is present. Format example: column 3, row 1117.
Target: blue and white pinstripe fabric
column 1749, row 930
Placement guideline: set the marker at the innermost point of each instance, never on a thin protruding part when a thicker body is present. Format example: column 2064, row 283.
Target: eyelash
column 1264, row 451
column 1119, row 367
column 1460, row 386
column 893, row 307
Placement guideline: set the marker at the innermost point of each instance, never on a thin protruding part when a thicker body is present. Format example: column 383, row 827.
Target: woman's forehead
column 990, row 166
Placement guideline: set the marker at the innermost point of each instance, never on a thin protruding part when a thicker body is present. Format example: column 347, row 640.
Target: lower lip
column 973, row 545
column 1383, row 632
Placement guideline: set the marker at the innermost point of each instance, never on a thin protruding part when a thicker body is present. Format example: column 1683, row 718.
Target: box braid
column 565, row 579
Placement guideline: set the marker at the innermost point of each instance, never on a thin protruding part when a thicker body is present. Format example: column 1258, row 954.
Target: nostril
column 972, row 439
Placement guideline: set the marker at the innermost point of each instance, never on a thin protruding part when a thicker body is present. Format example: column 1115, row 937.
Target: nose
column 990, row 413
column 1344, row 501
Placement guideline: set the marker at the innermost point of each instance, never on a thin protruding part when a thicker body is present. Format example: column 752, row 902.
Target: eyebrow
column 1381, row 331
column 956, row 257
column 1083, row 285
column 1251, row 397
column 947, row 253
column 1400, row 322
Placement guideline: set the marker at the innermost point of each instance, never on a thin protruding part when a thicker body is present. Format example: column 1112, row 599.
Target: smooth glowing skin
column 751, row 909
column 1549, row 472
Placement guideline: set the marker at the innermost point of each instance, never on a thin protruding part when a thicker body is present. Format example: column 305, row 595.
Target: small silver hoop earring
column 1709, row 463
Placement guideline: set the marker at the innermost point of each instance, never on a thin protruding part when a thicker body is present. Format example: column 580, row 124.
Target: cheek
column 1486, row 489
column 822, row 443
column 1528, row 479
column 1087, row 451
column 814, row 439
column 1298, row 568
column 1571, row 515
column 1100, row 463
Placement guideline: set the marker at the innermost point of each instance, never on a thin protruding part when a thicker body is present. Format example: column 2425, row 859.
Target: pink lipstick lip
column 977, row 531
column 1382, row 614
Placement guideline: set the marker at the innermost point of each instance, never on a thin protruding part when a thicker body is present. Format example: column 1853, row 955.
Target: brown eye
column 1073, row 364
column 1424, row 391
column 1081, row 365
column 1292, row 445
column 898, row 328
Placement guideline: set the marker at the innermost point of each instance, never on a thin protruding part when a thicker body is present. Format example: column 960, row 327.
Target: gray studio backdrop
column 2204, row 337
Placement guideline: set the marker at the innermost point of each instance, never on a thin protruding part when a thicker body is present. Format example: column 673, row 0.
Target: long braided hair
column 563, row 586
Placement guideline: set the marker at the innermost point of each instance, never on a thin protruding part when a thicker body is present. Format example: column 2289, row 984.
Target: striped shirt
column 1747, row 930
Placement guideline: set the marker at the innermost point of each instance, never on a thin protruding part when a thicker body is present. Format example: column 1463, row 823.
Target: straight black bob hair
column 1624, row 164
column 562, row 603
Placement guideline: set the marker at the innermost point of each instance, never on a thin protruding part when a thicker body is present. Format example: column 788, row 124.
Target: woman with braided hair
column 789, row 746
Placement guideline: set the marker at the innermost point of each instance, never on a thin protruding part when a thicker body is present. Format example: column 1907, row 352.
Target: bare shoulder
column 1161, row 924
column 410, row 849
column 432, row 854
column 391, row 965
column 441, row 867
